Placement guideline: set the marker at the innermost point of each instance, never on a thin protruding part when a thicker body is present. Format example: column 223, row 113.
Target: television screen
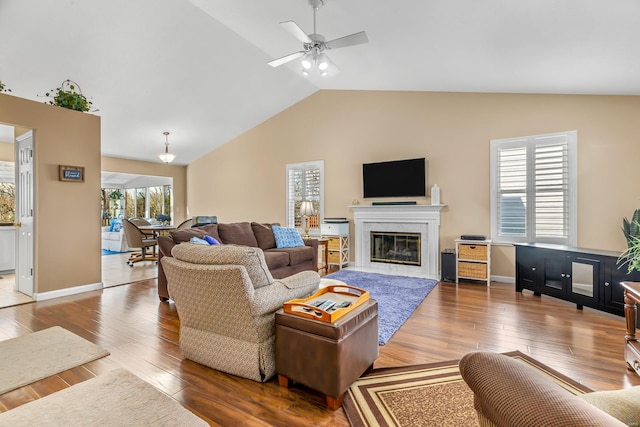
column 400, row 178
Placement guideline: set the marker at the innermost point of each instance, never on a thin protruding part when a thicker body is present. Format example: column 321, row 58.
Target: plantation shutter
column 552, row 190
column 304, row 182
column 533, row 189
column 512, row 201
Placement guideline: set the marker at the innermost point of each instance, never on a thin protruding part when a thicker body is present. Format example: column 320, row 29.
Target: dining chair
column 137, row 220
column 137, row 239
column 185, row 224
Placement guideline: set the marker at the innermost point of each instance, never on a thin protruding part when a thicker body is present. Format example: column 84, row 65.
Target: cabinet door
column 527, row 269
column 583, row 279
column 613, row 291
column 554, row 276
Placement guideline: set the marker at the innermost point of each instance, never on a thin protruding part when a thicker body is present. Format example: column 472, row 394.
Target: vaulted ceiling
column 198, row 68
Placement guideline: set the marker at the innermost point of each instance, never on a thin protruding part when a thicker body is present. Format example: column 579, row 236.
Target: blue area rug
column 106, row 252
column 397, row 296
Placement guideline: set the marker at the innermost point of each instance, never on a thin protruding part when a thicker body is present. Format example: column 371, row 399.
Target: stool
column 327, row 357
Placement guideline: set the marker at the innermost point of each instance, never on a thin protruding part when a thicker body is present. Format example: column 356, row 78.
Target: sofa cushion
column 211, row 230
column 287, row 237
column 264, row 235
column 276, row 259
column 184, row 235
column 251, row 258
column 237, row 233
column 297, row 255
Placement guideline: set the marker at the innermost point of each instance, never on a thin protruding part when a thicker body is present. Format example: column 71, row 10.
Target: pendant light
column 166, row 157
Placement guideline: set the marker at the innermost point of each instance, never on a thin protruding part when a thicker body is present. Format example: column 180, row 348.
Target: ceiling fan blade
column 350, row 40
column 296, row 31
column 285, row 59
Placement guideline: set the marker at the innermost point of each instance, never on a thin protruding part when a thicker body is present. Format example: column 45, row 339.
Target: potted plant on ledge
column 69, row 95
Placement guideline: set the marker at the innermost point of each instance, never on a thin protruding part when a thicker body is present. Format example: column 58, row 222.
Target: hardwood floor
column 142, row 335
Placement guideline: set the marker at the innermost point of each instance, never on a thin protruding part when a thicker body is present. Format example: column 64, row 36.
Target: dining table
column 157, row 230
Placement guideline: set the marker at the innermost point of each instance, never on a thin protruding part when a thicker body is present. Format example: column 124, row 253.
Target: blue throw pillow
column 210, row 240
column 198, row 241
column 116, row 225
column 287, row 237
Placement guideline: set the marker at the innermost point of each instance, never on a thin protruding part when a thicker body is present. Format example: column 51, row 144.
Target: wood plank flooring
column 142, row 335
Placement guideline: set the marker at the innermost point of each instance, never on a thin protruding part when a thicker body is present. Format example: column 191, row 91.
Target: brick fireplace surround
column 423, row 219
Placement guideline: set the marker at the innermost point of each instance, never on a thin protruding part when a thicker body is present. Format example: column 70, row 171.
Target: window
column 7, row 192
column 305, row 181
column 156, row 201
column 534, row 189
column 129, row 204
column 141, row 202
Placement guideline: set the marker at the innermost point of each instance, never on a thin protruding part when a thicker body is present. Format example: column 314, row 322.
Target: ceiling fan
column 314, row 45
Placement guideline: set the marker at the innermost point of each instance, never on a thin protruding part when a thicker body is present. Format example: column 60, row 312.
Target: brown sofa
column 281, row 262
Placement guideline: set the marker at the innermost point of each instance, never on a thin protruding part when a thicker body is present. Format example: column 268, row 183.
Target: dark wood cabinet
column 587, row 277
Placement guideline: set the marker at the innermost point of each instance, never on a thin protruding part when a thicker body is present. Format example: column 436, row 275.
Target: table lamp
column 306, row 210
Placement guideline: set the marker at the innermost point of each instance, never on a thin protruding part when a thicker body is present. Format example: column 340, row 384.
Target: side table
column 327, row 357
column 323, row 243
column 632, row 347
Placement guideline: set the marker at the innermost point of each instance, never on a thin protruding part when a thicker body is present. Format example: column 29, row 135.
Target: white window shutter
column 533, row 197
column 304, row 182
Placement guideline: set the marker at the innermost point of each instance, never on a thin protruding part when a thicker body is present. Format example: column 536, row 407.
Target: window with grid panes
column 7, row 192
column 534, row 188
column 305, row 181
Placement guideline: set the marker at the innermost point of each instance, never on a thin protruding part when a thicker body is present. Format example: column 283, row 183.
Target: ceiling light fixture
column 166, row 157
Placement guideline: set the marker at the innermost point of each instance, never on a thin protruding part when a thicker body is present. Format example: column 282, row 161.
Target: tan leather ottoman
column 327, row 357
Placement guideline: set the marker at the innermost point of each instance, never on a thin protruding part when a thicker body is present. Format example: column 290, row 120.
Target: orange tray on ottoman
column 338, row 293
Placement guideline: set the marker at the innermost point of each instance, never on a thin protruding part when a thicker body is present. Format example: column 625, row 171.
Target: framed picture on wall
column 72, row 173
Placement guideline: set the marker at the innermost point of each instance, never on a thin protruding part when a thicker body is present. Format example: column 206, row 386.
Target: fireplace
column 396, row 221
column 396, row 248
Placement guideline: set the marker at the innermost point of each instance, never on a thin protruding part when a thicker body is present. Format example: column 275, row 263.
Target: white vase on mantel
column 435, row 195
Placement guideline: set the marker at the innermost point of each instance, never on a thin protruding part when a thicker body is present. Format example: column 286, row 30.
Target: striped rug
column 424, row 395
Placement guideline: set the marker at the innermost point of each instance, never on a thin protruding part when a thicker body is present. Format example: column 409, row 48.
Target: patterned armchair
column 226, row 300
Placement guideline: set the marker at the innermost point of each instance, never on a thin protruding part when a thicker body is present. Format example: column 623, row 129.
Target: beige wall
column 67, row 214
column 245, row 179
column 178, row 173
column 6, row 152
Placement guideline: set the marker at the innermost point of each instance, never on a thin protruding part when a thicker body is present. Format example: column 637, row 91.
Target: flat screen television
column 400, row 178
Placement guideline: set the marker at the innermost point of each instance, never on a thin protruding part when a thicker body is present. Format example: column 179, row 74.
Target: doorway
column 16, row 209
column 126, row 195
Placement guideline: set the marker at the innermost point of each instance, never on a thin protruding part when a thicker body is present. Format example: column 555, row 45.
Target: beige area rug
column 32, row 357
column 117, row 398
column 424, row 395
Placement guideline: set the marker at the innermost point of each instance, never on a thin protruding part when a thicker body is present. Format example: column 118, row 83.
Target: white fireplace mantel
column 423, row 219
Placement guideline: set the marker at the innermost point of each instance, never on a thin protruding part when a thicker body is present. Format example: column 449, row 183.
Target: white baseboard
column 503, row 279
column 67, row 291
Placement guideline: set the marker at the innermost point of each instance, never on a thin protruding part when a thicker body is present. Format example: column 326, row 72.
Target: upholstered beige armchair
column 226, row 301
column 508, row 393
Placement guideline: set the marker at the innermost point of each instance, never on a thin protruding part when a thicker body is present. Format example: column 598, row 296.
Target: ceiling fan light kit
column 313, row 56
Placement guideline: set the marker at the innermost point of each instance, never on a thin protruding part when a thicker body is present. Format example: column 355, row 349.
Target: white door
column 24, row 213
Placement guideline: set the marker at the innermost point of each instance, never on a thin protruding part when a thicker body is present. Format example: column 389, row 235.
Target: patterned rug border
column 374, row 378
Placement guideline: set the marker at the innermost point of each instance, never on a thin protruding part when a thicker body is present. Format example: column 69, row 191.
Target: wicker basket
column 334, row 243
column 334, row 257
column 473, row 270
column 475, row 252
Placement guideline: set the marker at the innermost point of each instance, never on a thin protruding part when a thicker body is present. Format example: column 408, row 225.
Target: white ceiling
column 127, row 180
column 198, row 68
